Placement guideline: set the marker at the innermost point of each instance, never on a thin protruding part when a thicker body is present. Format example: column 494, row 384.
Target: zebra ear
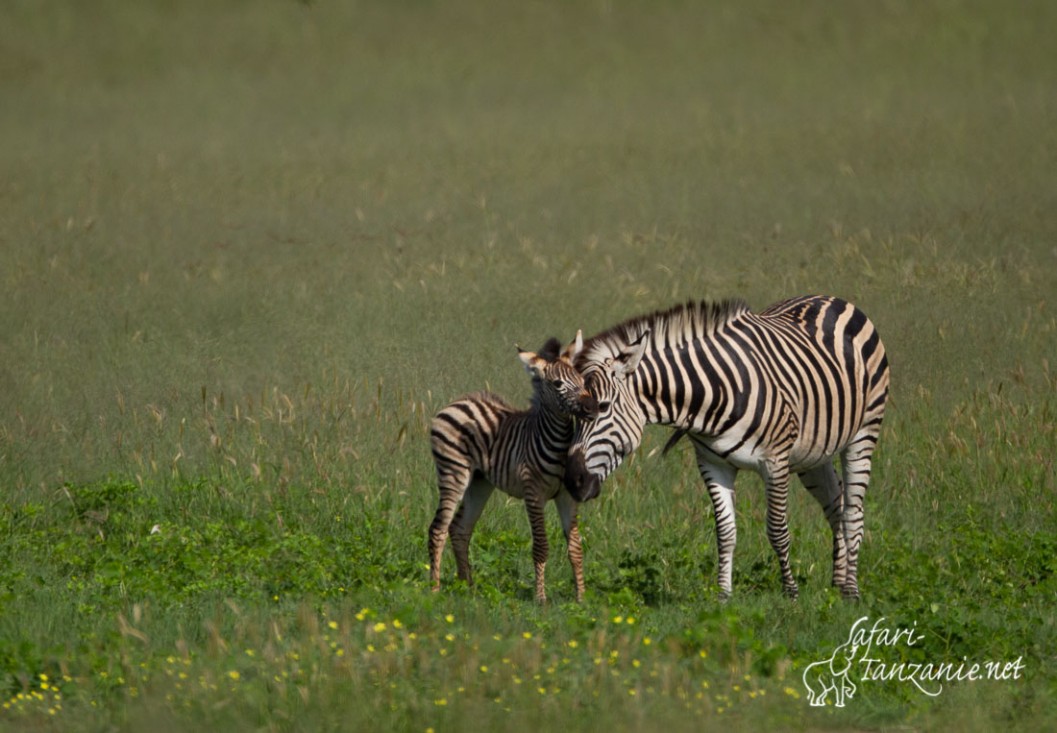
column 629, row 359
column 533, row 363
column 573, row 350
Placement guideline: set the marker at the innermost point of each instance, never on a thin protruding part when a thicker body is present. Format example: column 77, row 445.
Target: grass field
column 247, row 249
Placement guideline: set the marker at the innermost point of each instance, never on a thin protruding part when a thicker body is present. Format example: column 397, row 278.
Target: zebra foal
column 778, row 392
column 481, row 442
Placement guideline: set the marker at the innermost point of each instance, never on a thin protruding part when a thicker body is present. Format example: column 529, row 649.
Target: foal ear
column 534, row 365
column 573, row 350
column 629, row 358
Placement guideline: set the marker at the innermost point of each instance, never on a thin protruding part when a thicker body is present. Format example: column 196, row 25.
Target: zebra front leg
column 856, row 460
column 719, row 478
column 776, row 479
column 823, row 484
column 567, row 512
column 462, row 526
column 452, row 483
column 534, row 504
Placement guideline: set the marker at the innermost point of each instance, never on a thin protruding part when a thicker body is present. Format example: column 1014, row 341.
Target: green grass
column 248, row 249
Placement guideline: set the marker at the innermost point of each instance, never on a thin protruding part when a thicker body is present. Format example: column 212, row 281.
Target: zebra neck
column 667, row 397
column 556, row 427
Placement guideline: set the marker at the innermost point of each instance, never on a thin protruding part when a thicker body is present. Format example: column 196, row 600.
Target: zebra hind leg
column 855, row 460
column 462, row 526
column 823, row 484
column 452, row 483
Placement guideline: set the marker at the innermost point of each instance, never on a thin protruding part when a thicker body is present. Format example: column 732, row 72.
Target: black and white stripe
column 782, row 391
column 481, row 442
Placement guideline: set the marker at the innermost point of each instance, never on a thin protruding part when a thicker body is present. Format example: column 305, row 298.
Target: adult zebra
column 784, row 390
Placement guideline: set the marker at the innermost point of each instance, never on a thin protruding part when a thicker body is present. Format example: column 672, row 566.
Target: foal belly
column 514, row 482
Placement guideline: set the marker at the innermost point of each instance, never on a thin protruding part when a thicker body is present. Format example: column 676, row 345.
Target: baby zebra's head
column 556, row 382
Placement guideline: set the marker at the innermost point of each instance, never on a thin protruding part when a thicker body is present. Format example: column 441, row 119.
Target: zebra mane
column 667, row 328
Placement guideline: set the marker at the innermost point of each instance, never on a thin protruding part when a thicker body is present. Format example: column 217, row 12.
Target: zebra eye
column 556, row 382
column 603, row 406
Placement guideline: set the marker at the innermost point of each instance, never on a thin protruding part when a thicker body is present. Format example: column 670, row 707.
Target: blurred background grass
column 241, row 198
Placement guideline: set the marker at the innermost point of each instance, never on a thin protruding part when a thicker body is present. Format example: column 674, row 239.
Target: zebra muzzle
column 581, row 484
column 588, row 407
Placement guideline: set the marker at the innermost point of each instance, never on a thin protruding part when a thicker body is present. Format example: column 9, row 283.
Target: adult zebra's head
column 557, row 384
column 601, row 442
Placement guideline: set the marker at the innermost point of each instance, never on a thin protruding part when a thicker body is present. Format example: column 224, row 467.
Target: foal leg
column 462, row 526
column 567, row 512
column 534, row 504
column 452, row 484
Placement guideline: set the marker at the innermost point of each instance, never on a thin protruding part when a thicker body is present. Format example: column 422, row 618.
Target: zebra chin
column 581, row 484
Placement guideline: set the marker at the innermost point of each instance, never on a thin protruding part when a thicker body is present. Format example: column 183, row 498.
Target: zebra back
column 463, row 434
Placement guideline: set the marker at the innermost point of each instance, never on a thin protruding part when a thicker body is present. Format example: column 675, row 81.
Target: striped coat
column 481, row 442
column 778, row 392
